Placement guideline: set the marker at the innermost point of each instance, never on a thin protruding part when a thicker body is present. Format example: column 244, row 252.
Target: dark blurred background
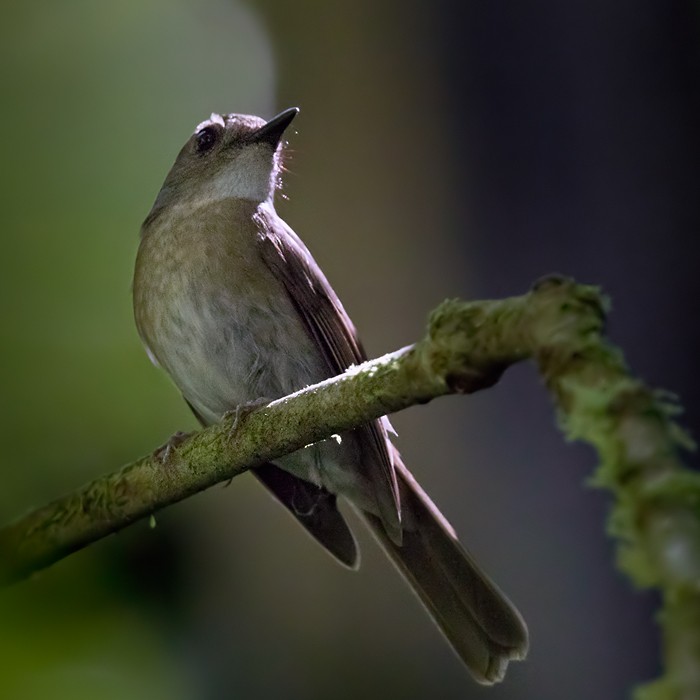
column 443, row 149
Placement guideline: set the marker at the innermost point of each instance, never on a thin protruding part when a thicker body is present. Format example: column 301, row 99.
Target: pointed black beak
column 272, row 131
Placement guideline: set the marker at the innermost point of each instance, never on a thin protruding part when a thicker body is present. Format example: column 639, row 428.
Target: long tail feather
column 483, row 626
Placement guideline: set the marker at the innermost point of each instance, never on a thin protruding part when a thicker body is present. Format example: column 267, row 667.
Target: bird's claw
column 241, row 412
column 238, row 415
column 165, row 452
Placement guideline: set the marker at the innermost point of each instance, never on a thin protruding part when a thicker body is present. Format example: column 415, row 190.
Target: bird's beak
column 272, row 131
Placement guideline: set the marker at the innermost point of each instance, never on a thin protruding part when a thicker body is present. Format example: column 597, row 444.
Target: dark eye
column 206, row 138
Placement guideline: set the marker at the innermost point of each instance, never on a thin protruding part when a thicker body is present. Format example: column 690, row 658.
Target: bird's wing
column 331, row 327
column 315, row 509
column 313, row 506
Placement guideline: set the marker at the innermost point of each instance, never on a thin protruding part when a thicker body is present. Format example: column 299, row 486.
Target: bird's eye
column 206, row 138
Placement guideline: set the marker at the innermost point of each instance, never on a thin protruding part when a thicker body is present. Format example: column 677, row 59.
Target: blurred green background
column 443, row 149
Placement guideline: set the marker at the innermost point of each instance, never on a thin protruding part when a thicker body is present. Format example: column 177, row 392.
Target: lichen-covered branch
column 558, row 325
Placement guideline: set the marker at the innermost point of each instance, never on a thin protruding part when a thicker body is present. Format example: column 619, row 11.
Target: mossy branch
column 558, row 325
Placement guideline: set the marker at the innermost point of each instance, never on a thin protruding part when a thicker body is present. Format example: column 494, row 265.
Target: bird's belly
column 232, row 352
column 224, row 351
column 224, row 328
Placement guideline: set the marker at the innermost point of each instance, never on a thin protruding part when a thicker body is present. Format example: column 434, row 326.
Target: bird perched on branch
column 229, row 301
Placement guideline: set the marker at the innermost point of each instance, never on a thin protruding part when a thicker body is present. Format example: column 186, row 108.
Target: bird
column 229, row 301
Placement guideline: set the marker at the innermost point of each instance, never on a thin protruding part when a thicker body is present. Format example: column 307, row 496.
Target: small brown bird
column 229, row 301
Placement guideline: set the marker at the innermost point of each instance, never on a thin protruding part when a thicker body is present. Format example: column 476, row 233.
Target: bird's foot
column 238, row 416
column 242, row 411
column 165, row 453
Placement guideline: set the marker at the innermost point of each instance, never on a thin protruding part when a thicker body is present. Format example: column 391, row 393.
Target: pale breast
column 215, row 317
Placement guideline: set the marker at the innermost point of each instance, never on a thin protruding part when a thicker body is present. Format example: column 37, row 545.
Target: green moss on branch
column 559, row 325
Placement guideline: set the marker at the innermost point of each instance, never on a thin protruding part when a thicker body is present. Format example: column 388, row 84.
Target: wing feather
column 330, row 326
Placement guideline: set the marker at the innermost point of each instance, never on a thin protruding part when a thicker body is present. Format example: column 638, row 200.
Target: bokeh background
column 443, row 149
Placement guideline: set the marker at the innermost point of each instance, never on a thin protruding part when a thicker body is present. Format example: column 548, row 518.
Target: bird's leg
column 242, row 411
column 239, row 414
column 165, row 452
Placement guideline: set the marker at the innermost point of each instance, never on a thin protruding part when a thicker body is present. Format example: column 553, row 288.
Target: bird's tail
column 481, row 624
